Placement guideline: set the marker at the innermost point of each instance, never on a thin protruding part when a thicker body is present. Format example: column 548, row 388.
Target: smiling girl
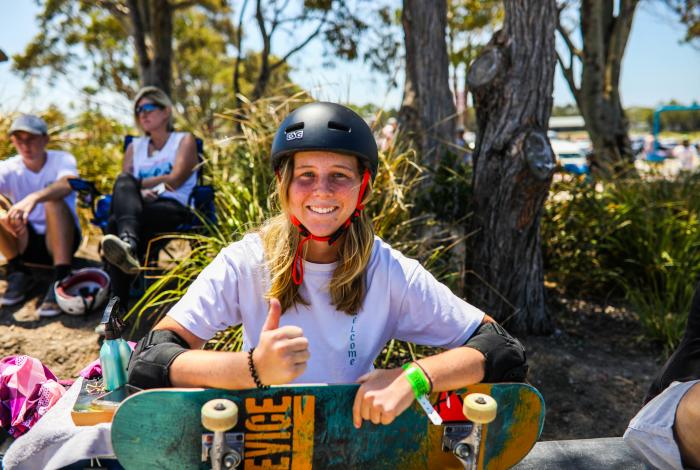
column 319, row 294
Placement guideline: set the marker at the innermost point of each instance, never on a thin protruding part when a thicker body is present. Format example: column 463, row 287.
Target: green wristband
column 416, row 377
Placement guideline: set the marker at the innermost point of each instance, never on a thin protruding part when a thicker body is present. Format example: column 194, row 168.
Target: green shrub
column 637, row 239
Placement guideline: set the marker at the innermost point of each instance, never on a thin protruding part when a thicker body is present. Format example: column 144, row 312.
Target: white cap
column 29, row 123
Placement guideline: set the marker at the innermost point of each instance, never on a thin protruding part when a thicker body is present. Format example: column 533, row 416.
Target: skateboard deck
column 302, row 427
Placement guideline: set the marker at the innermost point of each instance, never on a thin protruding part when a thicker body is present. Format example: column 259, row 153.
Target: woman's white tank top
column 161, row 162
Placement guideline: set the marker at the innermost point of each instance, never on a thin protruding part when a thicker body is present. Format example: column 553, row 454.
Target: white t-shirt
column 161, row 162
column 651, row 431
column 403, row 301
column 17, row 182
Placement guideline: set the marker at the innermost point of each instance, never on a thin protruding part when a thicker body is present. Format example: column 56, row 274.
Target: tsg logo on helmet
column 295, row 135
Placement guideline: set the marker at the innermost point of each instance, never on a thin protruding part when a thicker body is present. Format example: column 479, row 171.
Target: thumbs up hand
column 282, row 353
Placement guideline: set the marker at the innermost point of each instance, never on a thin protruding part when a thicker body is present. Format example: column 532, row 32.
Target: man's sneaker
column 49, row 307
column 19, row 284
column 120, row 254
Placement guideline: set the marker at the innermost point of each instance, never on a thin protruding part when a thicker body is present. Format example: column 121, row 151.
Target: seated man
column 38, row 221
column 667, row 429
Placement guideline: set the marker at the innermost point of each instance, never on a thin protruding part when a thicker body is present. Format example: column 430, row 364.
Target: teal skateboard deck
column 303, row 427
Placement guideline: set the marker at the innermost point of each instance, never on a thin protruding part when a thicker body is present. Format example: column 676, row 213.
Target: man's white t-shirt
column 651, row 433
column 403, row 301
column 17, row 182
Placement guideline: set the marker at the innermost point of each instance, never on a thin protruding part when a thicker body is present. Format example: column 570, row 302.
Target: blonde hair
column 281, row 239
column 157, row 96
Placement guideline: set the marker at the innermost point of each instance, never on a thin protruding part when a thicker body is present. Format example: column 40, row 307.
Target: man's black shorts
column 37, row 251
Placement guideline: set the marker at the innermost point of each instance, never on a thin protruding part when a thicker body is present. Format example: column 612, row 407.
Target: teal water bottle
column 115, row 352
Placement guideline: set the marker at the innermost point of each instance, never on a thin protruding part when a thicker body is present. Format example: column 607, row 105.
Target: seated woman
column 319, row 294
column 150, row 195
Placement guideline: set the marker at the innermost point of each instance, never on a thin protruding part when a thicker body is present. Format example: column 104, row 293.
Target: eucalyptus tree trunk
column 605, row 36
column 512, row 82
column 428, row 111
column 239, row 59
column 152, row 32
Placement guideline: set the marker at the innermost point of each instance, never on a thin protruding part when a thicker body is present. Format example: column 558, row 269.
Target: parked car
column 570, row 156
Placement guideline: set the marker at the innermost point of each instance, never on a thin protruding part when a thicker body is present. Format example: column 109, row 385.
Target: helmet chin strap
column 298, row 266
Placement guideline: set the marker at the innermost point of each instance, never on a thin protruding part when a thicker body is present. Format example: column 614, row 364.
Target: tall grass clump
column 239, row 168
column 637, row 239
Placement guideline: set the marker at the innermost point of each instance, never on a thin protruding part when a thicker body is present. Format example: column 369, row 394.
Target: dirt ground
column 593, row 372
column 64, row 343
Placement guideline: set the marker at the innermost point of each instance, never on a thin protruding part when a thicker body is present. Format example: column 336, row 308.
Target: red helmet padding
column 81, row 278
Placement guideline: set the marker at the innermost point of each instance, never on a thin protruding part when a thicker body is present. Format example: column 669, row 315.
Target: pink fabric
column 28, row 390
column 92, row 370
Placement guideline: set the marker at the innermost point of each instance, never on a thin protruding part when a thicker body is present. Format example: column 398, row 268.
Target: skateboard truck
column 464, row 439
column 224, row 450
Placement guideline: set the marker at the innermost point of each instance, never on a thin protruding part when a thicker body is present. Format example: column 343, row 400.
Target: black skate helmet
column 325, row 126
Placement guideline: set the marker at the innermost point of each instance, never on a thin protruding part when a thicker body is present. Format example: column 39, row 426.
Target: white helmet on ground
column 82, row 291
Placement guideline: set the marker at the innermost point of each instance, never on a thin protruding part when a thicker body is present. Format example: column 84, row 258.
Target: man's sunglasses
column 147, row 108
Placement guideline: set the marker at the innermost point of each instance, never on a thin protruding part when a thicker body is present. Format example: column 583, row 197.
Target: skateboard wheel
column 219, row 415
column 479, row 408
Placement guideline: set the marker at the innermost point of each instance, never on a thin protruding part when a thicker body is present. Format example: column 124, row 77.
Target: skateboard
column 310, row 426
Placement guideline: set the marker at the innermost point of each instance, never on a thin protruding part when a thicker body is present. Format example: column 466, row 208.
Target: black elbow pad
column 505, row 356
column 150, row 362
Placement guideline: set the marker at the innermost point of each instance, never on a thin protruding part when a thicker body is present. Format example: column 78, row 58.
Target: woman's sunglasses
column 147, row 108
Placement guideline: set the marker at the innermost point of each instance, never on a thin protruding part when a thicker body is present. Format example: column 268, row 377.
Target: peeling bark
column 512, row 83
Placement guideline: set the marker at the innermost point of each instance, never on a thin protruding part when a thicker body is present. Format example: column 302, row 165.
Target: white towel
column 55, row 442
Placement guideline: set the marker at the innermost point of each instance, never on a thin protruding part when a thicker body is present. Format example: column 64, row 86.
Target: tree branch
column 115, row 8
column 567, row 40
column 239, row 54
column 618, row 39
column 569, row 76
column 301, row 45
column 118, row 10
column 275, row 17
column 261, row 24
column 138, row 33
column 295, row 19
column 282, row 8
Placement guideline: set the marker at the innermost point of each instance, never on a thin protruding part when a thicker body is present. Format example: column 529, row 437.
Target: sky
column 657, row 68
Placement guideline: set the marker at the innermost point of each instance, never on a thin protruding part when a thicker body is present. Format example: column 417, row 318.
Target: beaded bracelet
column 253, row 372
